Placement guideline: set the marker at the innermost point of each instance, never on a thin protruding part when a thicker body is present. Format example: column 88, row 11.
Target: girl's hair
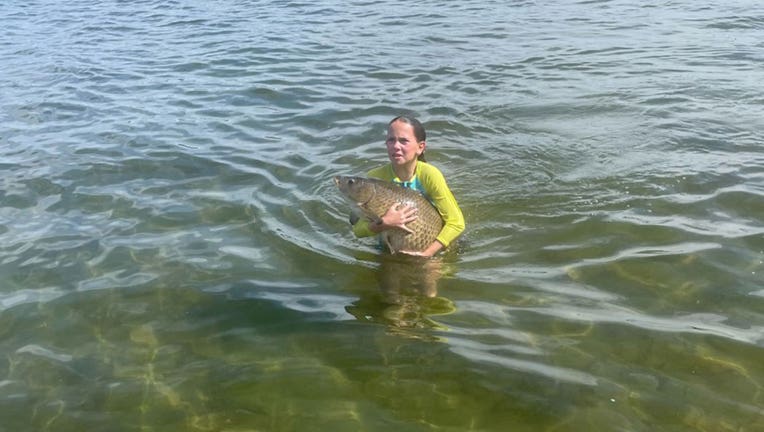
column 419, row 132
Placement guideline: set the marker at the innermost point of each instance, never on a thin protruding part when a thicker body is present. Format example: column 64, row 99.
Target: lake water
column 175, row 257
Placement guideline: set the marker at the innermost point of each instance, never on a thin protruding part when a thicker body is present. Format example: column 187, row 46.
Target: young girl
column 405, row 147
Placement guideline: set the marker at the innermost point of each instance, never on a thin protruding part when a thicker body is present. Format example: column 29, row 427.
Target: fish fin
column 370, row 215
column 389, row 246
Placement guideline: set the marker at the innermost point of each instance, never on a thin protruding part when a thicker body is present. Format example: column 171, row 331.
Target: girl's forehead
column 401, row 128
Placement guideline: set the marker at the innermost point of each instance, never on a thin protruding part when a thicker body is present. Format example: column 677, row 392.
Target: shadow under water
column 407, row 293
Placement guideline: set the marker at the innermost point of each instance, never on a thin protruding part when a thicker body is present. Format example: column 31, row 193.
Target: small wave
column 44, row 352
column 27, row 296
column 328, row 305
column 534, row 367
column 116, row 279
column 697, row 323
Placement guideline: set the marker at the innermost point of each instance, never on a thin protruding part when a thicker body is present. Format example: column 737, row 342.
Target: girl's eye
column 403, row 141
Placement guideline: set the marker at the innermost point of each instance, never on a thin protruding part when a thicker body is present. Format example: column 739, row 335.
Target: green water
column 174, row 255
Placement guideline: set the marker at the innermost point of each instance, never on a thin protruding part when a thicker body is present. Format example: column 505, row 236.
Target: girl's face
column 402, row 145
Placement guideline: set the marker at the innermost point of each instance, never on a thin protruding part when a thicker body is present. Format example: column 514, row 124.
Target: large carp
column 374, row 197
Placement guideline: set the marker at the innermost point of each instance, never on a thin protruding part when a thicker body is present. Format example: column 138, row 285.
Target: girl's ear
column 422, row 146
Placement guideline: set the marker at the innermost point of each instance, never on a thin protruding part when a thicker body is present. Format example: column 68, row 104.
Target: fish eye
column 351, row 181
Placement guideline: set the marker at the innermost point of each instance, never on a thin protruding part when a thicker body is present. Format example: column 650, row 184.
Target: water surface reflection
column 406, row 295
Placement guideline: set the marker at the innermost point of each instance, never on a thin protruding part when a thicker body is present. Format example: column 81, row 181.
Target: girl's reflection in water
column 407, row 294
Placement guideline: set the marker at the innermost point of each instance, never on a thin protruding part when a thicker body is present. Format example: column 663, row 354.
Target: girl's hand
column 398, row 215
column 431, row 250
column 414, row 253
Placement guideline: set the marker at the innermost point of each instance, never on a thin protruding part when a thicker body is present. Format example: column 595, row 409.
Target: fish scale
column 374, row 197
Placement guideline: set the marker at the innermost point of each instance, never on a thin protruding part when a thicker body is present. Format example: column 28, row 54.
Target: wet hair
column 419, row 132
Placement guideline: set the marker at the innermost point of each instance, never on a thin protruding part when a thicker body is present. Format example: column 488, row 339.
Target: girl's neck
column 405, row 172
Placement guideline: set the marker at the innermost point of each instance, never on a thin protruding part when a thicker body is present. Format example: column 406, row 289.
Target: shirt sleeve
column 443, row 200
column 361, row 228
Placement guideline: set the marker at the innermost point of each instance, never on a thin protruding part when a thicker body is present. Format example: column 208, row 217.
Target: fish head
column 357, row 189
